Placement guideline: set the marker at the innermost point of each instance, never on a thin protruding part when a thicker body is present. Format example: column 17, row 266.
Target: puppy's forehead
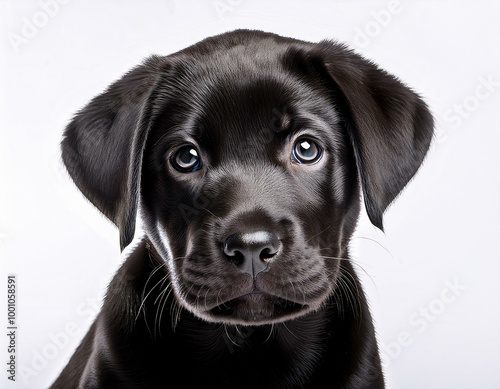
column 241, row 91
column 253, row 103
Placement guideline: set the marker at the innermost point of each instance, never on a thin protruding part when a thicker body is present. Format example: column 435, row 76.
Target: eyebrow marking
column 282, row 121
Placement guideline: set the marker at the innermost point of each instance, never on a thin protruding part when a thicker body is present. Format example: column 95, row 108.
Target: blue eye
column 186, row 159
column 306, row 152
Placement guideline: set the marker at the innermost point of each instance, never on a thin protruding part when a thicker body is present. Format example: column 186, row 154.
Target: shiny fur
column 186, row 308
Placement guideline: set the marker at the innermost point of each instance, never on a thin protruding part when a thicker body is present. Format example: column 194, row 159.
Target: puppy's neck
column 286, row 352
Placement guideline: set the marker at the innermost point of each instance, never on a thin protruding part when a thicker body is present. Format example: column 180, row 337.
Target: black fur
column 243, row 277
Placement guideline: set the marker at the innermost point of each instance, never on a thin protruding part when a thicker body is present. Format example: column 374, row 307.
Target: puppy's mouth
column 256, row 308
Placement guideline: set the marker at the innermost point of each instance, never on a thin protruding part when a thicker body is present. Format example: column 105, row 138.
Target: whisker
column 211, row 213
column 161, row 312
column 161, row 293
column 377, row 242
column 229, row 336
column 205, row 298
column 271, row 332
column 353, row 261
column 319, row 233
column 349, row 281
column 143, row 298
column 175, row 313
column 290, row 331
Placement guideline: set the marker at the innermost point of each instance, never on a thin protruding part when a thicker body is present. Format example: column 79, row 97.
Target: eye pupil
column 306, row 151
column 186, row 159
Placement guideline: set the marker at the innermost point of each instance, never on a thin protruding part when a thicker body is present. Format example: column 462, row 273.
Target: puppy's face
column 246, row 190
column 247, row 153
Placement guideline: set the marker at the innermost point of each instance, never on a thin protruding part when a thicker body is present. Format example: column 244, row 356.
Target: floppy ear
column 102, row 146
column 389, row 125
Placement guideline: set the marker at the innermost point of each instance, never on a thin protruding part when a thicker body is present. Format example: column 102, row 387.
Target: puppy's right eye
column 306, row 152
column 186, row 159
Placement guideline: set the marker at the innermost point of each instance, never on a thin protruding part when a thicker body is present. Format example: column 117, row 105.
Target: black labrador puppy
column 245, row 156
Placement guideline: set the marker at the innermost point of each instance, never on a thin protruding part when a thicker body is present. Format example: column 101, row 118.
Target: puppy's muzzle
column 252, row 252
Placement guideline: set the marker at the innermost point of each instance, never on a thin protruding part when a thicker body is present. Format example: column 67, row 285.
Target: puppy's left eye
column 306, row 151
column 186, row 160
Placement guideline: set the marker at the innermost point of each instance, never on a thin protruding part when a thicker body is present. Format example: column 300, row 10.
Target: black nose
column 252, row 251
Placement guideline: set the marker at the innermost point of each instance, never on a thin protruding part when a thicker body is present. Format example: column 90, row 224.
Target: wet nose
column 252, row 252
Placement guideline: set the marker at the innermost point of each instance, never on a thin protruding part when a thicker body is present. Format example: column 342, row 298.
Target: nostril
column 235, row 256
column 232, row 246
column 267, row 254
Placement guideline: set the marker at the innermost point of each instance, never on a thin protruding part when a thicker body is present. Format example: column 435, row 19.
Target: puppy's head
column 247, row 153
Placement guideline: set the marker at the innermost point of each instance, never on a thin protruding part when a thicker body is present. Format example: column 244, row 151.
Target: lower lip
column 257, row 305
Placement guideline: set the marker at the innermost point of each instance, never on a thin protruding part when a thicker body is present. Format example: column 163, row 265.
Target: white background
column 432, row 278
